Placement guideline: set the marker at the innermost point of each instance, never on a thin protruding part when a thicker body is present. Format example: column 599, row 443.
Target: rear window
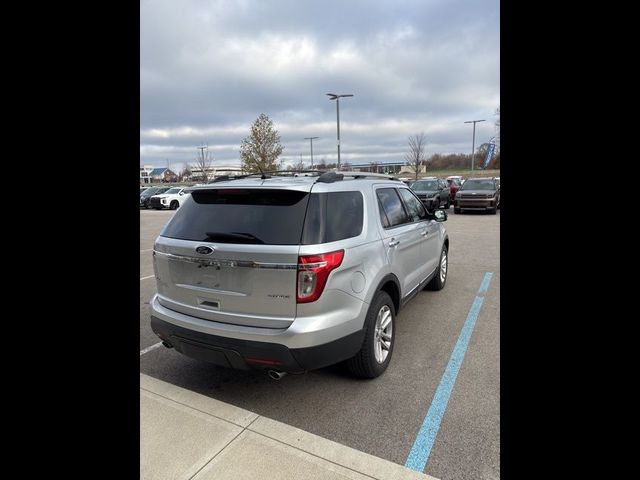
column 333, row 216
column 263, row 216
column 271, row 217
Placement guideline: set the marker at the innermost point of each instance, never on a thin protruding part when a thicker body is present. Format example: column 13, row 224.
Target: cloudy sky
column 209, row 68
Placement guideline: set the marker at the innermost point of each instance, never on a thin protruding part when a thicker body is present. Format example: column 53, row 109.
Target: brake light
column 313, row 271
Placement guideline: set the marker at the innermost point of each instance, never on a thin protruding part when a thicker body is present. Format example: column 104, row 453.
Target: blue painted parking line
column 485, row 282
column 419, row 454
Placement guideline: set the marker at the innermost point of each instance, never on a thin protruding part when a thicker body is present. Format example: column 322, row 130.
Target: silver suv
column 290, row 274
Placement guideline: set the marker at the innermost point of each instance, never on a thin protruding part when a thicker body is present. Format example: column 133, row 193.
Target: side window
column 333, row 216
column 392, row 207
column 416, row 209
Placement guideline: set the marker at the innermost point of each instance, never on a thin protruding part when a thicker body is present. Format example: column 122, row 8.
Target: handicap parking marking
column 421, row 449
column 144, row 278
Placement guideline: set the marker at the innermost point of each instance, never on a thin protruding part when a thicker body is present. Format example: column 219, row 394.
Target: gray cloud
column 208, row 69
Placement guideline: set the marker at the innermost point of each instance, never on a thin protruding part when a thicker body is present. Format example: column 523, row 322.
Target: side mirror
column 181, row 193
column 440, row 216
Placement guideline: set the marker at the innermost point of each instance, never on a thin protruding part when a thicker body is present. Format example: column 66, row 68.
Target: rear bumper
column 245, row 354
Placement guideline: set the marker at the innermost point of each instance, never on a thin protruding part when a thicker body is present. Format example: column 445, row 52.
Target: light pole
column 473, row 144
column 311, row 141
column 336, row 97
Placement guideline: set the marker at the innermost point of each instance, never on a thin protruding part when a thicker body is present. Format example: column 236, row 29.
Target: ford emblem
column 204, row 250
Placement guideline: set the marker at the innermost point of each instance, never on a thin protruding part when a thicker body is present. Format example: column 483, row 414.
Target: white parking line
column 148, row 349
column 146, row 250
column 144, row 278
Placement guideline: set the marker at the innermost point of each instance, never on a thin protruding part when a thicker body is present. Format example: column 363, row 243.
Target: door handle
column 424, row 233
column 394, row 243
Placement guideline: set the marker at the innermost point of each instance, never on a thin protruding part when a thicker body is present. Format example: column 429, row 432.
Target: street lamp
column 336, row 97
column 473, row 144
column 311, row 141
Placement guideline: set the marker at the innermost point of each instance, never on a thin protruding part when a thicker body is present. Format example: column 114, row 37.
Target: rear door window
column 235, row 215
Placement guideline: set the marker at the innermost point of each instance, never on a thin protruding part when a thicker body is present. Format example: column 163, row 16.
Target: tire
column 456, row 210
column 448, row 204
column 493, row 211
column 438, row 282
column 174, row 205
column 367, row 362
column 436, row 206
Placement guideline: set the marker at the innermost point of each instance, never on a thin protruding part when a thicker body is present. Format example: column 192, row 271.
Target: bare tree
column 416, row 156
column 203, row 161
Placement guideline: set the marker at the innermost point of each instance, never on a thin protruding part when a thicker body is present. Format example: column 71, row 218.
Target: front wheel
column 448, row 204
column 437, row 282
column 374, row 356
column 174, row 205
column 456, row 210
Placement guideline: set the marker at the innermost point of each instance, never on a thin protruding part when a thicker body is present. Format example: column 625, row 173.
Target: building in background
column 145, row 174
column 213, row 172
column 163, row 175
column 383, row 166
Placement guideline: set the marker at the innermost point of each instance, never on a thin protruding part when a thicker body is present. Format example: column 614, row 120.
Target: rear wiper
column 233, row 236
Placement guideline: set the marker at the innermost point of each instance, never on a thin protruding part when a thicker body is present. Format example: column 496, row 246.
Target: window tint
column 414, row 206
column 333, row 216
column 392, row 206
column 265, row 216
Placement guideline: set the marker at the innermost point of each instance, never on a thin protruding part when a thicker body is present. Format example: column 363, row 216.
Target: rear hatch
column 230, row 255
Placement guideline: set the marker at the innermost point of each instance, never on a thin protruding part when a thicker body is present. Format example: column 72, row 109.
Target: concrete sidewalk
column 185, row 435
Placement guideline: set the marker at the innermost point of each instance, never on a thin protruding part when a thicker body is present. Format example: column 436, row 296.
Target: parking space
column 382, row 417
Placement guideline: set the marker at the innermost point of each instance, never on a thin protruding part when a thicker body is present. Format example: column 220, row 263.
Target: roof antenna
column 263, row 176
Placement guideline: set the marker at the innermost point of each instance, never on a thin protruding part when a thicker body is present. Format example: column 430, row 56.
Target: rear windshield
column 263, row 216
column 267, row 216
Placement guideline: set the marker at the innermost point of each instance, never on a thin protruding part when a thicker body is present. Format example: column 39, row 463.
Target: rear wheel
column 437, row 282
column 374, row 356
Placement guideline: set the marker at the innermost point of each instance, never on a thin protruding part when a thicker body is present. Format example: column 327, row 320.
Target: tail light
column 313, row 271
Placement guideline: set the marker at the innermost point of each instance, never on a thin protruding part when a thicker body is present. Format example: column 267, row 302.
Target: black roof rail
column 330, row 177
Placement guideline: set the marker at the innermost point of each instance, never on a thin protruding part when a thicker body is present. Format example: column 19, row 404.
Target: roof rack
column 330, row 177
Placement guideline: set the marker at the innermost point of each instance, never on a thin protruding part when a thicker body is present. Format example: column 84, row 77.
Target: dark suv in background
column 478, row 194
column 433, row 192
column 150, row 192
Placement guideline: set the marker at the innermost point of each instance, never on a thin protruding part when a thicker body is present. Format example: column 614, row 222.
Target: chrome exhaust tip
column 276, row 374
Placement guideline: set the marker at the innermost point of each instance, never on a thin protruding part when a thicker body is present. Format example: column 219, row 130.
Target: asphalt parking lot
column 384, row 416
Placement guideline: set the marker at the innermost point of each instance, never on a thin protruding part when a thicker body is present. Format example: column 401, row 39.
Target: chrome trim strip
column 212, row 262
column 419, row 283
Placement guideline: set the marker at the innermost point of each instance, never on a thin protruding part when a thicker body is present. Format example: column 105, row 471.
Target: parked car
column 478, row 194
column 433, row 192
column 292, row 274
column 172, row 198
column 148, row 193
